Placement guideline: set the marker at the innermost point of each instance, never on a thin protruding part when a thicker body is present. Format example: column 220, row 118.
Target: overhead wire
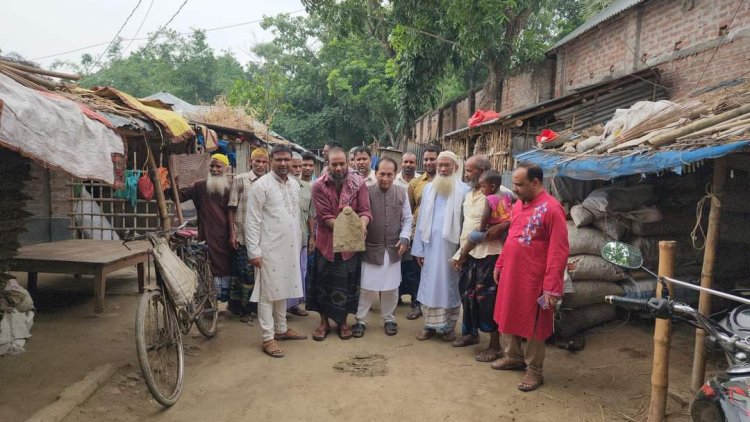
column 139, row 27
column 218, row 28
column 161, row 29
column 115, row 37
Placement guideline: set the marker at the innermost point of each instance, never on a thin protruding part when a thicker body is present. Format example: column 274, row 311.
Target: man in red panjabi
column 529, row 273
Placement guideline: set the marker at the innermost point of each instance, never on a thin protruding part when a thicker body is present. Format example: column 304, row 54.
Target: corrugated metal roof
column 616, row 7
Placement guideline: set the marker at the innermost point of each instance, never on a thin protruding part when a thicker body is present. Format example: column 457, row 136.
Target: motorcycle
column 726, row 396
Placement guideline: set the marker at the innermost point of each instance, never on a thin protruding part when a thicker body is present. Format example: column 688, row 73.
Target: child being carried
column 497, row 210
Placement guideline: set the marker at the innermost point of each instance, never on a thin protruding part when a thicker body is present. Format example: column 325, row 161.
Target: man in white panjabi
column 386, row 242
column 273, row 235
column 436, row 239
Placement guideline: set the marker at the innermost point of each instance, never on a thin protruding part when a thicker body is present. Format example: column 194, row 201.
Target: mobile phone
column 541, row 302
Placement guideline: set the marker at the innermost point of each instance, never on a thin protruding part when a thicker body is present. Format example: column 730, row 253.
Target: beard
column 443, row 185
column 338, row 179
column 217, row 184
column 408, row 172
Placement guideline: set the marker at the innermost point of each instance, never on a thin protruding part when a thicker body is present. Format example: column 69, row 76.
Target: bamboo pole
column 160, row 200
column 671, row 136
column 707, row 274
column 175, row 194
column 28, row 76
column 662, row 340
column 40, row 71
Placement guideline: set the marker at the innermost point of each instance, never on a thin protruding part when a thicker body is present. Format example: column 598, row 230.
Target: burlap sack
column 347, row 232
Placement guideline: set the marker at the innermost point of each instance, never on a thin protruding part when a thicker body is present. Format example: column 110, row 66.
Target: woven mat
column 189, row 168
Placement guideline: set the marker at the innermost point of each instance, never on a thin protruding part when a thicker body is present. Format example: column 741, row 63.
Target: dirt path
column 229, row 377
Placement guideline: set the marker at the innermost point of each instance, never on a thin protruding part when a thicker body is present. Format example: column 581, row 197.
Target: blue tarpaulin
column 606, row 167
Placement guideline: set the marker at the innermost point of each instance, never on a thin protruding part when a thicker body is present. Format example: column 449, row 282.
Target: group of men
column 272, row 243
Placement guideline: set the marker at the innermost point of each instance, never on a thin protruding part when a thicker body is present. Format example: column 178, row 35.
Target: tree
column 317, row 85
column 186, row 66
column 434, row 41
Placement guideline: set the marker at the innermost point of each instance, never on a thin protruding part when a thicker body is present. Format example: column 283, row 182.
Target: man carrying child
column 486, row 215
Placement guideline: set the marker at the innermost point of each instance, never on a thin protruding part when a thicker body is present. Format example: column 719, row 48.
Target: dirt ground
column 229, row 377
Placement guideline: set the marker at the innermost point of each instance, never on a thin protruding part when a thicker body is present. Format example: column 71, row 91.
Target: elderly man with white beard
column 436, row 239
column 210, row 197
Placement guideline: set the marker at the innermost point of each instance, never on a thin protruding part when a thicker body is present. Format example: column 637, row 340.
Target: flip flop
column 425, row 334
column 489, row 357
column 508, row 364
column 466, row 341
column 271, row 348
column 343, row 336
column 289, row 335
column 414, row 314
column 318, row 337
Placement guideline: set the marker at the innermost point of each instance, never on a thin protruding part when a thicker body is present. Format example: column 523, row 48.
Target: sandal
column 391, row 328
column 414, row 314
column 344, row 333
column 289, row 335
column 317, row 336
column 486, row 356
column 531, row 381
column 358, row 330
column 464, row 341
column 426, row 334
column 449, row 337
column 508, row 364
column 271, row 348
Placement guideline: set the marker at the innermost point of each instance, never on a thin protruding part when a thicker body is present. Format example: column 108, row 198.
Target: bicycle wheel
column 159, row 345
column 205, row 299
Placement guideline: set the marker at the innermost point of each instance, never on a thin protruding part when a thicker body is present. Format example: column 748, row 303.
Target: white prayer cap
column 450, row 155
column 296, row 156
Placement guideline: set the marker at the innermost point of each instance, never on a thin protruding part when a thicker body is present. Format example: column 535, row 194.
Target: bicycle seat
column 187, row 233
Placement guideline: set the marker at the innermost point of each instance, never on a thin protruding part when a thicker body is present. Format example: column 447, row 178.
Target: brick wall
column 529, row 87
column 666, row 34
column 462, row 113
column 43, row 192
column 48, row 204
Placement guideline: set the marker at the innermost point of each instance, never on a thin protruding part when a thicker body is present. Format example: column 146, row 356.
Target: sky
column 39, row 28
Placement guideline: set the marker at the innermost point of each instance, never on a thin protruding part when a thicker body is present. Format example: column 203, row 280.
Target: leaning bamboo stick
column 40, row 71
column 671, row 136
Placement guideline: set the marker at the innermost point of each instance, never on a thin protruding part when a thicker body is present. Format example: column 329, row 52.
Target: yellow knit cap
column 259, row 152
column 221, row 158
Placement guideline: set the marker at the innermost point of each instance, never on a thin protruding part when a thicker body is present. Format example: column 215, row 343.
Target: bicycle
column 160, row 321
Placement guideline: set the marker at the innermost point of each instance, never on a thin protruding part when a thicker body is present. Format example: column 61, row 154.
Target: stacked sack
column 606, row 214
column 592, row 278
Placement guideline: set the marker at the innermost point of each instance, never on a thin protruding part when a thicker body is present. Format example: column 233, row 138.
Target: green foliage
column 353, row 70
column 185, row 66
column 314, row 85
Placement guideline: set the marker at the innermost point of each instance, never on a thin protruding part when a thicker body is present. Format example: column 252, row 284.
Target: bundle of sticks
column 33, row 77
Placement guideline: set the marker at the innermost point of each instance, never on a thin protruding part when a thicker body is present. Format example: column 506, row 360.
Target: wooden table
column 82, row 256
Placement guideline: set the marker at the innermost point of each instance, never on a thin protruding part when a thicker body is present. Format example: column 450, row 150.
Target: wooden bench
column 82, row 256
